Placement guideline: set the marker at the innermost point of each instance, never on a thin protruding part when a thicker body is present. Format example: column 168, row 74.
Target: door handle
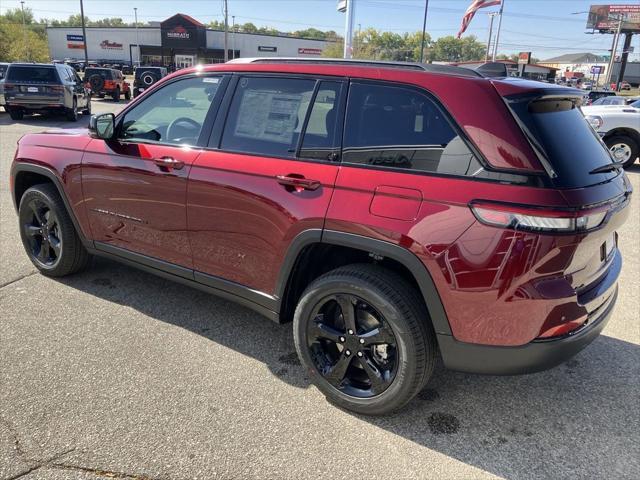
column 168, row 163
column 297, row 182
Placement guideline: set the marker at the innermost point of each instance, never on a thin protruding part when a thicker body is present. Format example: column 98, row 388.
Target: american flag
column 471, row 11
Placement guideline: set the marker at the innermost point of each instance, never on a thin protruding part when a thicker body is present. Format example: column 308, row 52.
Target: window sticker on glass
column 210, row 80
column 268, row 115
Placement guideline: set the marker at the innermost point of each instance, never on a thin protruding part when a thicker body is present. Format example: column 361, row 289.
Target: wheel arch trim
column 19, row 167
column 371, row 245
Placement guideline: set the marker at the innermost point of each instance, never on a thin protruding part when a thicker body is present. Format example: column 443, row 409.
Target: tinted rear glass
column 566, row 140
column 33, row 74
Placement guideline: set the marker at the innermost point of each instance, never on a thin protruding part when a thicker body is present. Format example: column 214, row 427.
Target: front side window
column 174, row 114
column 401, row 128
column 267, row 115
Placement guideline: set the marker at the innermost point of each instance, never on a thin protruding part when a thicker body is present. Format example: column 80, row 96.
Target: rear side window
column 566, row 142
column 33, row 74
column 267, row 115
column 401, row 128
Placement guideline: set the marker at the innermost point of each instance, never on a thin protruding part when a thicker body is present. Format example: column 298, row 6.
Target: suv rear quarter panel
column 479, row 271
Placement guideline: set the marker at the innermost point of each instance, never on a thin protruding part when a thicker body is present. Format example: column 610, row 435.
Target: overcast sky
column 546, row 27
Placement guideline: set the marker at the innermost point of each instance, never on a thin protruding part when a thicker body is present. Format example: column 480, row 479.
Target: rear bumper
column 41, row 104
column 533, row 357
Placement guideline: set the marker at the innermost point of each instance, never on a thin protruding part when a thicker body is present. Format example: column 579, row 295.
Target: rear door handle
column 297, row 183
column 168, row 163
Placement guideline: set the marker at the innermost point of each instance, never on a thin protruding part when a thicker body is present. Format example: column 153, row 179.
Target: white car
column 619, row 127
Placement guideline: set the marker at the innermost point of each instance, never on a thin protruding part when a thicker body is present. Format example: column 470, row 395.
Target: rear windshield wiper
column 608, row 167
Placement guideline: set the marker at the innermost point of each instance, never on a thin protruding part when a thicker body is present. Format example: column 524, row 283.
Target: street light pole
column 424, row 30
column 24, row 33
column 226, row 32
column 233, row 37
column 84, row 36
column 135, row 12
column 348, row 29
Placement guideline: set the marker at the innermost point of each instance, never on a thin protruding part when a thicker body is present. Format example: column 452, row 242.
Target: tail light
column 8, row 86
column 537, row 220
column 56, row 89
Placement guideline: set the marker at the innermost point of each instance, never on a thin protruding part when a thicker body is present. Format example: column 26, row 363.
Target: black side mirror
column 102, row 126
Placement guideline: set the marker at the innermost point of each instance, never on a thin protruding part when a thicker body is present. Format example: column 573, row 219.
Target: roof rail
column 425, row 67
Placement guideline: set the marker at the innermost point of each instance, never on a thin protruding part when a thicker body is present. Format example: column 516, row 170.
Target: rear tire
column 16, row 113
column 72, row 113
column 621, row 146
column 384, row 370
column 127, row 95
column 116, row 95
column 42, row 215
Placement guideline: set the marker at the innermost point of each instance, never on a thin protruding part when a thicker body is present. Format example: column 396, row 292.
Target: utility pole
column 24, row 33
column 233, row 36
column 226, row 31
column 495, row 47
column 614, row 49
column 491, row 16
column 348, row 29
column 135, row 12
column 84, row 36
column 424, row 30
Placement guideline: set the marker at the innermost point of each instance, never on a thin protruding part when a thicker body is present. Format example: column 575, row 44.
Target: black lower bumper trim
column 533, row 357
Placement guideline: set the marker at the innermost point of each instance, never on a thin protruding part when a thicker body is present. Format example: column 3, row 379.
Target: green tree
column 12, row 37
column 452, row 49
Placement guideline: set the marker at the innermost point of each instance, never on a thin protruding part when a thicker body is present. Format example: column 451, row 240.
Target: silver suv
column 50, row 88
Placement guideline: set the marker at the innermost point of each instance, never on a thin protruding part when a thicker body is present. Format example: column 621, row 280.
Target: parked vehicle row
column 363, row 201
column 44, row 88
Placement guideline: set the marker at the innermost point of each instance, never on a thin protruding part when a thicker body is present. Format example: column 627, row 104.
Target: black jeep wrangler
column 145, row 77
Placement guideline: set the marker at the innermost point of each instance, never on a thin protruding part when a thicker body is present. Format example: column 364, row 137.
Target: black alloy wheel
column 48, row 234
column 365, row 338
column 352, row 345
column 42, row 229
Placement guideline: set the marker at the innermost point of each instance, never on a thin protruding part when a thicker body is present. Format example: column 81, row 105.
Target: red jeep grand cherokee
column 392, row 211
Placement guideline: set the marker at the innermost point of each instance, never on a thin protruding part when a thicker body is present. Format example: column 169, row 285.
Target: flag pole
column 495, row 47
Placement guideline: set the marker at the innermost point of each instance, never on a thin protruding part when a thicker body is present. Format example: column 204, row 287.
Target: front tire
column 48, row 234
column 87, row 110
column 365, row 337
column 127, row 95
column 116, row 95
column 624, row 149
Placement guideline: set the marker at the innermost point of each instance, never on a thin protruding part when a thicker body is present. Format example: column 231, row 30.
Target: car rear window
column 32, row 74
column 565, row 141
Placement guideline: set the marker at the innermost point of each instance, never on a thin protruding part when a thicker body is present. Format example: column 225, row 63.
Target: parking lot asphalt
column 115, row 373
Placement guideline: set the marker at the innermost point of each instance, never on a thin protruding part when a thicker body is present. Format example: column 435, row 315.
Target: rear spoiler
column 489, row 69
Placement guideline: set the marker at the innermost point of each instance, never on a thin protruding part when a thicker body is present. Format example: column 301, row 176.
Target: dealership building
column 180, row 40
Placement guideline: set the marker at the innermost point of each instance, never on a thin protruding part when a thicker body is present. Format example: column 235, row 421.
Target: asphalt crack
column 22, row 277
column 51, row 462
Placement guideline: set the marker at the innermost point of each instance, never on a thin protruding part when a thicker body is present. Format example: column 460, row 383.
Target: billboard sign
column 597, row 69
column 75, row 38
column 524, row 58
column 263, row 48
column 606, row 17
column 342, row 6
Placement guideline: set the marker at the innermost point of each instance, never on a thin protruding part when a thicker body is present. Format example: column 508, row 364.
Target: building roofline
column 207, row 29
